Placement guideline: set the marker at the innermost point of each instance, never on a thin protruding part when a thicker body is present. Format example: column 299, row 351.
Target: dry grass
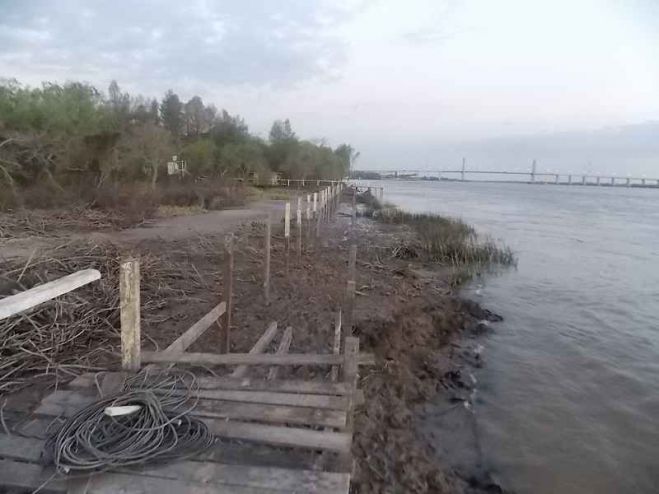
column 445, row 240
column 79, row 331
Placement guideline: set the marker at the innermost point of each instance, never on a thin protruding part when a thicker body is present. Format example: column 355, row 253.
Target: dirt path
column 174, row 228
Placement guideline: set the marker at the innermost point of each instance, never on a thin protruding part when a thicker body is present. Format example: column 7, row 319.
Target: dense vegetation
column 74, row 139
column 440, row 239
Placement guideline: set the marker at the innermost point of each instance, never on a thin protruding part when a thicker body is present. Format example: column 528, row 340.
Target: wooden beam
column 15, row 304
column 273, row 398
column 196, row 330
column 66, row 403
column 196, row 470
column 259, row 347
column 350, row 377
column 283, row 347
column 251, row 359
column 129, row 295
column 281, row 436
column 30, row 476
column 87, row 380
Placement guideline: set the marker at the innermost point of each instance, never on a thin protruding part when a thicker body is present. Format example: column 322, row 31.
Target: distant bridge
column 529, row 177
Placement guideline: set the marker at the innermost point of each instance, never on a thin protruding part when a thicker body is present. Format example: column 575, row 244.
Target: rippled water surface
column 569, row 396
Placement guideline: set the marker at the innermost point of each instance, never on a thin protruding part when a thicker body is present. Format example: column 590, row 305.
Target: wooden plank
column 66, row 403
column 254, row 384
column 242, row 358
column 130, row 483
column 350, row 376
column 288, row 480
column 282, row 436
column 18, row 475
column 251, row 359
column 15, row 304
column 283, row 347
column 20, row 448
column 129, row 294
column 201, row 470
column 196, row 330
column 189, row 477
column 272, row 398
column 259, row 347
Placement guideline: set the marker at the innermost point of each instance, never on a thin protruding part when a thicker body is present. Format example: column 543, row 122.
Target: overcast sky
column 411, row 83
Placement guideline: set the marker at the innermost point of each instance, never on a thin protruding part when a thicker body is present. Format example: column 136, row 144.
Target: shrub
column 448, row 240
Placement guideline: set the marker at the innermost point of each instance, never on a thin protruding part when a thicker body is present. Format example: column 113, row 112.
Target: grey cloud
column 254, row 42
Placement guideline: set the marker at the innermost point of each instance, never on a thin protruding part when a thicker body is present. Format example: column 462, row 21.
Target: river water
column 568, row 398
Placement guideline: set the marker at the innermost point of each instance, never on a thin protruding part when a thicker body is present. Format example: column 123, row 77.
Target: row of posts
column 319, row 207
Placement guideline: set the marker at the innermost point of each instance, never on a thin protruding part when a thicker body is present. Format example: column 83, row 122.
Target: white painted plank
column 15, row 304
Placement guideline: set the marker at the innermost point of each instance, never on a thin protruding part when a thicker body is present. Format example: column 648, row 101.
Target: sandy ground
column 174, row 228
column 407, row 313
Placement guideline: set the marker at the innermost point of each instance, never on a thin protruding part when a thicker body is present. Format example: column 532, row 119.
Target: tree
column 201, row 157
column 282, row 131
column 283, row 143
column 241, row 159
column 119, row 105
column 348, row 155
column 146, row 148
column 227, row 129
column 194, row 116
column 171, row 113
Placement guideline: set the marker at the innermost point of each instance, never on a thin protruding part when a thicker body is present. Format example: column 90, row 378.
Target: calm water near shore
column 568, row 399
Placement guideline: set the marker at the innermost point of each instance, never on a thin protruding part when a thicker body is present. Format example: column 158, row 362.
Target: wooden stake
column 287, row 232
column 266, row 276
column 298, row 218
column 129, row 296
column 225, row 339
column 337, row 343
column 354, row 206
column 350, row 290
column 315, row 203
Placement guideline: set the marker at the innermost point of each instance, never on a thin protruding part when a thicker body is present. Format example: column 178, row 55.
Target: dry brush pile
column 79, row 332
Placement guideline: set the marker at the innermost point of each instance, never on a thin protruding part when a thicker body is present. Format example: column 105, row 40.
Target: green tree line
column 59, row 133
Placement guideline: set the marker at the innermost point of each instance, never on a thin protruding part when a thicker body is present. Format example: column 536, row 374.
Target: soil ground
column 407, row 313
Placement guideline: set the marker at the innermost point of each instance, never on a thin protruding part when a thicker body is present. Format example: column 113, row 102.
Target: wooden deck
column 272, row 435
column 258, row 423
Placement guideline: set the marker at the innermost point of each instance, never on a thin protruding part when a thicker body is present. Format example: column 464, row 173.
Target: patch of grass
column 447, row 240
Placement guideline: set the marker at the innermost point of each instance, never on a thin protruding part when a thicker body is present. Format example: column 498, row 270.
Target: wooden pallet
column 272, row 435
column 298, row 415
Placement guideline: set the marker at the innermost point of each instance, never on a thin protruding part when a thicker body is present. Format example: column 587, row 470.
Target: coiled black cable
column 161, row 429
